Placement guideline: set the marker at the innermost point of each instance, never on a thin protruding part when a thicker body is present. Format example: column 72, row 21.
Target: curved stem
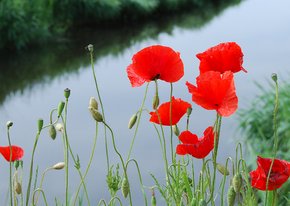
column 40, row 186
column 138, row 122
column 43, row 195
column 115, row 198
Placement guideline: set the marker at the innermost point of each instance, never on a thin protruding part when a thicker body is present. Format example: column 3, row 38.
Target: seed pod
column 231, row 196
column 222, row 169
column 125, row 187
column 193, row 202
column 60, row 108
column 9, row 124
column 52, row 132
column 155, row 102
column 58, row 166
column 96, row 115
column 175, row 130
column 202, row 202
column 274, row 77
column 93, row 103
column 17, row 188
column 132, row 121
column 237, row 182
column 40, row 124
column 188, row 111
column 67, row 93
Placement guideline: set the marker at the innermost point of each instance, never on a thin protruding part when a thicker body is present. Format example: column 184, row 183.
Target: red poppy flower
column 17, row 153
column 196, row 147
column 155, row 62
column 179, row 108
column 223, row 57
column 279, row 174
column 215, row 91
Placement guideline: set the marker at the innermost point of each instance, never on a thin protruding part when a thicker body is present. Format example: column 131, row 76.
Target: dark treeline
column 30, row 22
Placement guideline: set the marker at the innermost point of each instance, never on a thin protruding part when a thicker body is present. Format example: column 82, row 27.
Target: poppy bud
column 52, row 132
column 58, row 166
column 193, row 202
column 175, row 130
column 274, row 77
column 90, row 48
column 17, row 188
column 153, row 200
column 93, row 103
column 67, row 93
column 237, row 182
column 125, row 187
column 60, row 108
column 188, row 111
column 231, row 196
column 155, row 102
column 40, row 124
column 132, row 121
column 96, row 115
column 202, row 202
column 222, row 169
column 59, row 127
column 9, row 124
column 16, row 164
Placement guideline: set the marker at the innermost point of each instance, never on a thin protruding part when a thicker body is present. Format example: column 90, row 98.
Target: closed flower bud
column 67, row 93
column 237, row 182
column 9, row 124
column 40, row 124
column 153, row 200
column 58, row 166
column 202, row 202
column 90, row 47
column 132, row 121
column 17, row 188
column 59, row 127
column 60, row 108
column 188, row 111
column 125, row 187
column 52, row 132
column 93, row 103
column 274, row 77
column 175, row 130
column 193, row 202
column 96, row 114
column 222, row 169
column 231, row 196
column 16, row 164
column 155, row 102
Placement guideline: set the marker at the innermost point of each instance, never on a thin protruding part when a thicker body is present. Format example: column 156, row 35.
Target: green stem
column 43, row 195
column 66, row 153
column 40, row 186
column 173, row 156
column 138, row 122
column 10, row 167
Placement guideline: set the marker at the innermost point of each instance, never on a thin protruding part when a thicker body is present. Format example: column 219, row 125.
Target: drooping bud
column 52, row 132
column 59, row 127
column 93, row 103
column 188, row 111
column 96, row 114
column 132, row 121
column 155, row 101
column 237, row 182
column 60, row 108
column 58, row 166
column 274, row 77
column 125, row 187
column 17, row 187
column 193, row 202
column 66, row 93
column 9, row 124
column 202, row 202
column 90, row 48
column 175, row 130
column 40, row 125
column 222, row 169
column 231, row 196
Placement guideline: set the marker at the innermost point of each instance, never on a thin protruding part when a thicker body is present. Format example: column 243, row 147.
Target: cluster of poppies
column 214, row 90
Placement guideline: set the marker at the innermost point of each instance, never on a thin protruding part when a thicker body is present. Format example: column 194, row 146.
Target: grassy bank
column 26, row 23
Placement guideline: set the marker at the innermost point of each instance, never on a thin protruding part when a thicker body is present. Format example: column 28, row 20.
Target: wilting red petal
column 179, row 108
column 215, row 91
column 198, row 148
column 279, row 174
column 155, row 62
column 222, row 57
column 17, row 153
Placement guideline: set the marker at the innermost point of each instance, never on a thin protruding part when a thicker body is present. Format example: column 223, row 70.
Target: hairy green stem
column 10, row 167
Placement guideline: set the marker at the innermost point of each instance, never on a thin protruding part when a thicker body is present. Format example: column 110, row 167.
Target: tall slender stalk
column 10, row 166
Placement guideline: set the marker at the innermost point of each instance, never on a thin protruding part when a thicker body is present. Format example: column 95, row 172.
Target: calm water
column 260, row 27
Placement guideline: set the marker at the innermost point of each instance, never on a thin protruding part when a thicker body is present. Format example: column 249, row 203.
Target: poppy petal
column 222, row 57
column 135, row 80
column 17, row 153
